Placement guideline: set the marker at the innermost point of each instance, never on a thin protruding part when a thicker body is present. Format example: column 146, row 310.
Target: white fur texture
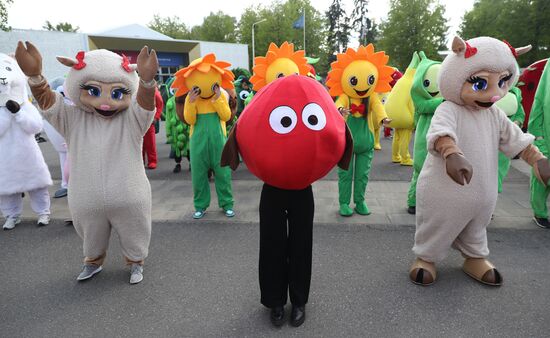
column 22, row 166
column 102, row 66
column 492, row 55
column 13, row 83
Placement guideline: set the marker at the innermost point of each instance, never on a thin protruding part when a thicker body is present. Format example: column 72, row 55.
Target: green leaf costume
column 511, row 104
column 539, row 126
column 425, row 105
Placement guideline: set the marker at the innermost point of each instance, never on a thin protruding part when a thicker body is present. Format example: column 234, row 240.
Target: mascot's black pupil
column 353, row 81
column 371, row 80
column 312, row 119
column 426, row 83
column 286, row 121
column 8, row 69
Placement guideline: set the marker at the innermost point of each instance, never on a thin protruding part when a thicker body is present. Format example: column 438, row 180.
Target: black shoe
column 411, row 210
column 542, row 222
column 298, row 315
column 177, row 168
column 277, row 315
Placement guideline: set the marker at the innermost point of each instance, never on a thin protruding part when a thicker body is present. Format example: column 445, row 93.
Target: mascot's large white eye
column 314, row 117
column 283, row 119
column 244, row 94
column 173, row 91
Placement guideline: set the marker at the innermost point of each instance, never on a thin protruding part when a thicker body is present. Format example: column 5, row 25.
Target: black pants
column 286, row 225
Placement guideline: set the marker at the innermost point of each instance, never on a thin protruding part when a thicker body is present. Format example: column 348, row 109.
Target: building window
column 165, row 73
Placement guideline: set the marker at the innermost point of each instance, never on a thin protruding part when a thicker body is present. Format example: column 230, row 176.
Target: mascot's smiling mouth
column 433, row 94
column 106, row 113
column 484, row 104
column 362, row 92
column 206, row 98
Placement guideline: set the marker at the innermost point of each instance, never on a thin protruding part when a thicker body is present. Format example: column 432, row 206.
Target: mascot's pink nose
column 495, row 98
column 107, row 107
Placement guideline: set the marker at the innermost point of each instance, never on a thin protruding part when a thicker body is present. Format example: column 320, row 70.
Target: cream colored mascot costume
column 104, row 133
column 457, row 187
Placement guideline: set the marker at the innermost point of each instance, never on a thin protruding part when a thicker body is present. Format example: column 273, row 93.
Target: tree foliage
column 171, row 26
column 338, row 28
column 413, row 25
column 277, row 28
column 60, row 27
column 520, row 22
column 217, row 27
column 364, row 26
column 4, row 14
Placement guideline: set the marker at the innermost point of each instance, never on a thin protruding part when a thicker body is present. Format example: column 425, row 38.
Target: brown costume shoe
column 422, row 272
column 483, row 271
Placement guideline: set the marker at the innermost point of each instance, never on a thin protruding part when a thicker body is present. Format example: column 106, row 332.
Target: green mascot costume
column 511, row 105
column 243, row 89
column 177, row 133
column 426, row 98
column 207, row 110
column 355, row 78
column 539, row 126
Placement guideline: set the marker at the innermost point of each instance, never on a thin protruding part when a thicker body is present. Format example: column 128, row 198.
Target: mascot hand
column 544, row 170
column 147, row 64
column 459, row 168
column 29, row 59
column 13, row 106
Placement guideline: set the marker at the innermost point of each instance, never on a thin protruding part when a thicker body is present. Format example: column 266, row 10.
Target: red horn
column 80, row 58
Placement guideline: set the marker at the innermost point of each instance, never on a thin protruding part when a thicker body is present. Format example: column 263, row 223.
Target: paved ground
column 201, row 281
column 201, row 276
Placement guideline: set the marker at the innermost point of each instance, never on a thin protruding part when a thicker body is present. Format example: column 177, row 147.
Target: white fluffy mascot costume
column 113, row 108
column 457, row 187
column 22, row 166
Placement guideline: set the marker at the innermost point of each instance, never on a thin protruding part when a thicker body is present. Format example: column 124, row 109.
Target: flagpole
column 304, row 14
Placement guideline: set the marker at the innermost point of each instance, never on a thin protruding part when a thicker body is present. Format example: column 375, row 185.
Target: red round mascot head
column 291, row 134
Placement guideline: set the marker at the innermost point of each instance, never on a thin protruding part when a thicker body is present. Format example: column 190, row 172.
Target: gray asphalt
column 201, row 281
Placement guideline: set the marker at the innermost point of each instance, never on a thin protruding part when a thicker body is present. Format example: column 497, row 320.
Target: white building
column 128, row 40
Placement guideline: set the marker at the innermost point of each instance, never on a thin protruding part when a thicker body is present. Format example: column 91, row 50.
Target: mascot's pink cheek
column 300, row 157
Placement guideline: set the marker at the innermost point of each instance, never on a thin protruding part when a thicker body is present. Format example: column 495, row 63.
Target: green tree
column 520, row 22
column 338, row 28
column 4, row 14
column 218, row 27
column 172, row 27
column 413, row 25
column 277, row 28
column 60, row 27
column 365, row 27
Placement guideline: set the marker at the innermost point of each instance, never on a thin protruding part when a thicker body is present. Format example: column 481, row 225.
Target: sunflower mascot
column 355, row 78
column 207, row 111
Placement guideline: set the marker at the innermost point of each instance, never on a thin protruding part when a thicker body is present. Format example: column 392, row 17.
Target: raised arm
column 30, row 61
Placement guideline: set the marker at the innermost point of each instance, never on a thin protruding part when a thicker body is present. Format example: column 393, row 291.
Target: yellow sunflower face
column 205, row 82
column 280, row 68
column 359, row 79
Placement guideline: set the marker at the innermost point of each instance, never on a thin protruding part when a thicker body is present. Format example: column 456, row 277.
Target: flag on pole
column 299, row 24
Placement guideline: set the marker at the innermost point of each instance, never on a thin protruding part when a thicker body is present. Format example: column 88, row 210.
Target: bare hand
column 459, row 168
column 544, row 170
column 194, row 94
column 29, row 59
column 217, row 92
column 344, row 111
column 147, row 64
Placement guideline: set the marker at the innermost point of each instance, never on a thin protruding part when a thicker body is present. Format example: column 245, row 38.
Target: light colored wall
column 236, row 54
column 49, row 43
